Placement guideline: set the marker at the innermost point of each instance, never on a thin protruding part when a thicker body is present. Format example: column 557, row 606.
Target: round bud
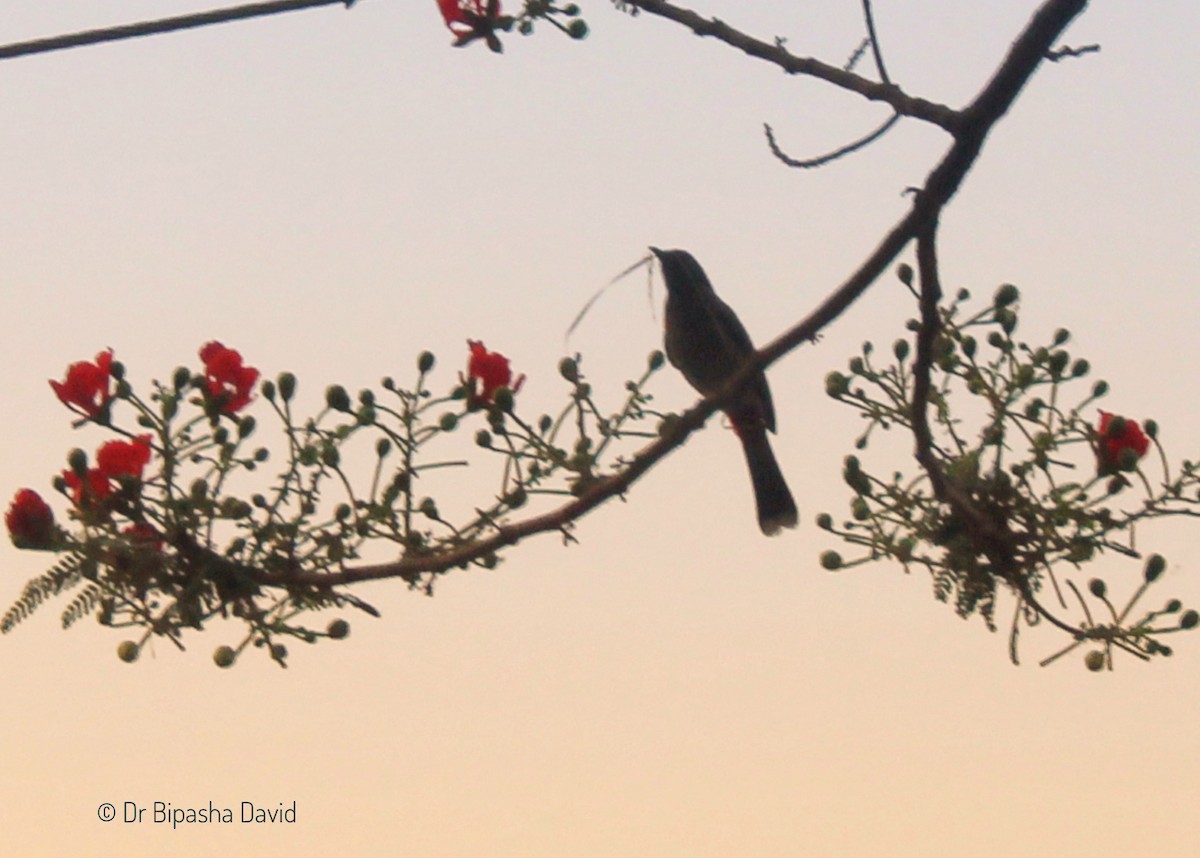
column 857, row 365
column 1172, row 606
column 1094, row 660
column 904, row 271
column 425, row 361
column 448, row 422
column 483, row 438
column 287, row 386
column 1080, row 368
column 78, row 461
column 128, row 651
column 181, row 377
column 568, row 369
column 382, row 447
column 1155, row 565
column 337, row 398
column 656, row 360
column 503, row 399
column 278, row 652
column 1005, row 295
column 428, row 508
column 831, row 560
column 825, row 521
column 224, row 656
column 1189, row 620
column 1099, row 388
column 1061, row 336
column 968, row 346
column 837, row 385
column 577, row 29
column 337, row 629
column 1150, row 427
column 1097, row 588
column 900, row 349
column 246, row 426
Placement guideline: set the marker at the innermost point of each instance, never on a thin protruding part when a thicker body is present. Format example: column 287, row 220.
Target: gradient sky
column 334, row 191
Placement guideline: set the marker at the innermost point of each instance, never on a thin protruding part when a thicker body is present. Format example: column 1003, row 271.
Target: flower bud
column 337, row 398
column 825, row 521
column 1155, row 564
column 1094, row 660
column 837, row 385
column 1005, row 295
column 900, row 349
column 428, row 508
column 382, row 447
column 278, row 652
column 1099, row 388
column 577, row 29
column 246, row 426
column 128, row 651
column 1080, row 368
column 224, row 656
column 1150, row 427
column 568, row 369
column 425, row 361
column 287, row 386
column 968, row 346
column 904, row 272
column 516, row 498
column 1097, row 588
column 503, row 399
column 330, row 456
column 448, row 421
column 656, row 360
column 180, row 379
column 1061, row 336
column 831, row 560
column 78, row 460
column 1189, row 620
column 483, row 438
column 1172, row 606
column 338, row 629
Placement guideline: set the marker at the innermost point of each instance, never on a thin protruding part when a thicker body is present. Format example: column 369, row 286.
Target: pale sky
column 333, row 191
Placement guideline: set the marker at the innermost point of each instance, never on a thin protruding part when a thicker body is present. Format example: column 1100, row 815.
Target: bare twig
column 829, row 156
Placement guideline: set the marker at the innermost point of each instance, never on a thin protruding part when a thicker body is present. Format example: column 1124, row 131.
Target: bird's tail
column 776, row 508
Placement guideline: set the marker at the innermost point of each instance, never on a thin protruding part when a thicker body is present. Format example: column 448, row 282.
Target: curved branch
column 919, row 108
column 829, row 156
column 943, row 182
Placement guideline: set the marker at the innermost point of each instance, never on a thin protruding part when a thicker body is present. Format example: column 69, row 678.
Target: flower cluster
column 162, row 537
column 1013, row 504
column 471, row 20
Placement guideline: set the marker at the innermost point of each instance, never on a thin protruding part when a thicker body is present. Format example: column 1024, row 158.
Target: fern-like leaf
column 82, row 605
column 61, row 576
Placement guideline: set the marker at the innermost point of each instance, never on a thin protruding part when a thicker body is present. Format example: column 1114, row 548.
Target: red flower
column 229, row 382
column 1113, row 444
column 85, row 389
column 124, row 458
column 474, row 19
column 86, row 492
column 30, row 520
column 491, row 369
column 143, row 534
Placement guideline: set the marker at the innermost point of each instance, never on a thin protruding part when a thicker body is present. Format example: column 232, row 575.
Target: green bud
column 856, row 365
column 904, row 271
column 859, row 509
column 339, row 629
column 1155, row 565
column 1189, row 620
column 1094, row 660
column 1080, row 368
column 516, row 498
column 503, row 399
column 996, row 340
column 262, row 454
column 1097, row 588
column 78, row 461
column 483, row 438
column 382, row 447
column 1005, row 295
column 342, row 512
column 656, row 360
column 1061, row 336
column 825, row 521
column 831, row 560
column 900, row 349
column 279, row 652
column 268, row 390
column 1007, row 320
column 1099, row 388
column 425, row 361
column 964, row 295
column 577, row 29
column 224, row 656
column 837, row 385
column 570, row 10
column 199, row 489
column 968, row 346
column 337, row 398
column 128, row 651
column 246, row 426
column 330, row 456
column 568, row 369
column 448, row 422
column 287, row 386
column 1172, row 606
column 1150, row 427
column 545, row 423
column 180, row 379
column 428, row 508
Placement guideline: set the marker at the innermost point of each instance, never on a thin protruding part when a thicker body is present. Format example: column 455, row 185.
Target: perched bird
column 707, row 342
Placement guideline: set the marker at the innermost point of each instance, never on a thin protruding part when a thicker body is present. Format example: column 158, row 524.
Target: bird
column 706, row 341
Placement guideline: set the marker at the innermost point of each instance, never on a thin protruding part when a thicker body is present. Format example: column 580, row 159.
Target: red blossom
column 491, row 370
column 469, row 20
column 84, row 493
column 85, row 388
column 230, row 384
column 1113, row 444
column 30, row 520
column 141, row 533
column 124, row 458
